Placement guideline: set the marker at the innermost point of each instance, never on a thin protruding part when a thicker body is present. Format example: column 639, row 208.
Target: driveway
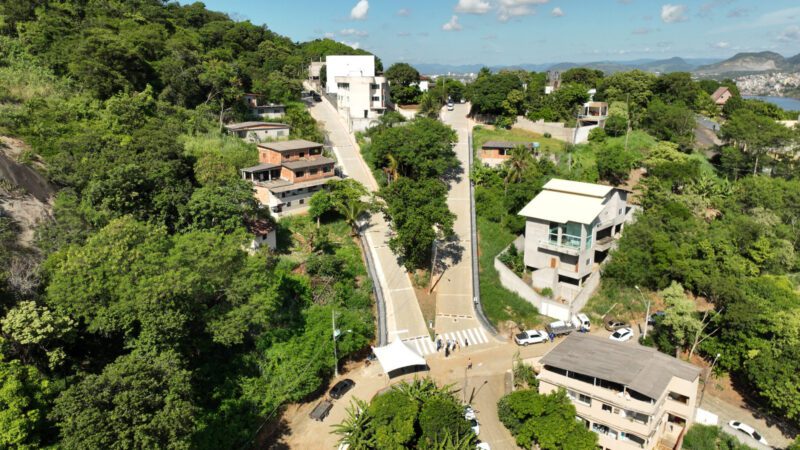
column 404, row 318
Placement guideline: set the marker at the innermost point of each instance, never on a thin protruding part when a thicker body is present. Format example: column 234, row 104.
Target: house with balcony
column 288, row 174
column 633, row 397
column 570, row 228
column 593, row 114
column 256, row 132
column 263, row 110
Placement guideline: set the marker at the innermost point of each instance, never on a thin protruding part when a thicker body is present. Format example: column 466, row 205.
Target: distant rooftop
column 577, row 187
column 254, row 125
column 505, row 144
column 643, row 369
column 306, row 163
column 285, row 146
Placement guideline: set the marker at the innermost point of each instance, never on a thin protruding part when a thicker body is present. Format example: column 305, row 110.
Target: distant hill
column 675, row 64
column 743, row 63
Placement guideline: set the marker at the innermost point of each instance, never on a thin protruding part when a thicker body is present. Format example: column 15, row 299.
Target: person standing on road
column 466, row 342
column 469, row 364
column 447, row 351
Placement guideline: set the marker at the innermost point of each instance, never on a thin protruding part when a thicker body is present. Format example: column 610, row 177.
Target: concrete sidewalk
column 404, row 318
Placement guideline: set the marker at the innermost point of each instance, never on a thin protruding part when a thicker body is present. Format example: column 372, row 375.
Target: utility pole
column 628, row 128
column 335, row 358
column 647, row 314
column 433, row 264
column 705, row 381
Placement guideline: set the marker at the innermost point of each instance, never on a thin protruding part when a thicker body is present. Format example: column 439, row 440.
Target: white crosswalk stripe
column 424, row 346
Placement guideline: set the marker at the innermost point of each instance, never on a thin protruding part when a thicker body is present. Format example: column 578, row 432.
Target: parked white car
column 748, row 430
column 530, row 337
column 482, row 446
column 622, row 335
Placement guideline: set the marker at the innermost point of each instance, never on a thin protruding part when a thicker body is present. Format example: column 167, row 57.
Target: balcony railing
column 568, row 244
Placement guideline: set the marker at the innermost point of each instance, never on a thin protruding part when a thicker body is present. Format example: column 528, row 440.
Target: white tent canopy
column 397, row 356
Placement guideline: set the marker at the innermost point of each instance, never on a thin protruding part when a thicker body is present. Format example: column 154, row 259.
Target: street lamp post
column 646, row 314
column 336, row 334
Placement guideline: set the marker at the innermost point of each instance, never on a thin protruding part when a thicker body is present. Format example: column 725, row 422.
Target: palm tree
column 352, row 209
column 391, row 169
column 355, row 429
column 521, row 160
column 464, row 442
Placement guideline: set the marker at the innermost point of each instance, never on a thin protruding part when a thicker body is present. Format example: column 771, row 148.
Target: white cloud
column 508, row 9
column 673, row 13
column 403, row 12
column 721, row 45
column 359, row 12
column 790, row 34
column 330, row 35
column 353, row 32
column 641, row 30
column 452, row 25
column 557, row 12
column 473, row 6
column 403, row 34
column 355, row 45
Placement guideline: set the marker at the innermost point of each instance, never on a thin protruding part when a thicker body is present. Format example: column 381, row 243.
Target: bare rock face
column 25, row 194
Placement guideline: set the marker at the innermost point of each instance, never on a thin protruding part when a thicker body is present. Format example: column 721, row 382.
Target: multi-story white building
column 633, row 397
column 347, row 66
column 571, row 226
column 360, row 100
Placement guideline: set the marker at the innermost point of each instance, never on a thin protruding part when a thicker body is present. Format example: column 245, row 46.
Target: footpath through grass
column 499, row 304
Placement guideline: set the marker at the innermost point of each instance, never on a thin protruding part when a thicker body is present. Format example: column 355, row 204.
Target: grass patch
column 623, row 302
column 499, row 304
column 483, row 134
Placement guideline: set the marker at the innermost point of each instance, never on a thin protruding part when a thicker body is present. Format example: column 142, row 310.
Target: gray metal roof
column 643, row 369
column 505, row 144
column 260, row 167
column 254, row 125
column 306, row 163
column 294, row 144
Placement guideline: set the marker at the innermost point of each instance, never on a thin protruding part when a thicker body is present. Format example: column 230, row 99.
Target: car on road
column 341, row 388
column 622, row 335
column 530, row 337
column 469, row 413
column 748, row 430
column 476, row 427
column 613, row 324
column 482, row 446
column 450, row 106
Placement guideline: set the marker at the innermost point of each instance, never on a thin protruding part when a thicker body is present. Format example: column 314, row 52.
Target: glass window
column 552, row 236
column 585, row 399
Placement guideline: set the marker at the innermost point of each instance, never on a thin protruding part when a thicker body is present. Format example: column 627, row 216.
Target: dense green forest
column 718, row 224
column 139, row 320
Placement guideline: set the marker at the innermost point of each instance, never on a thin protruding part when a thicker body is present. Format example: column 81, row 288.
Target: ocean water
column 789, row 104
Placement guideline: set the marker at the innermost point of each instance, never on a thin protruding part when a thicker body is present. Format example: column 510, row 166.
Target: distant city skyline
column 508, row 32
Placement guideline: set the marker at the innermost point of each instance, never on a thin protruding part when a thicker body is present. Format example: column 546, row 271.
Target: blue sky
column 505, row 32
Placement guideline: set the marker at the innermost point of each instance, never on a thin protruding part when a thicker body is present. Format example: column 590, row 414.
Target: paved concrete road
column 454, row 294
column 727, row 412
column 403, row 316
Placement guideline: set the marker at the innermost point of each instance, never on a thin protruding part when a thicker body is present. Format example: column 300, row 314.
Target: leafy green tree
column 755, row 134
column 404, row 83
column 517, row 166
column 680, row 315
column 614, row 163
column 488, row 93
column 356, row 429
column 303, row 125
column 670, row 122
column 278, row 88
column 709, row 437
column 676, row 87
column 138, row 401
column 348, row 198
column 547, row 421
column 442, row 416
column 224, row 208
column 35, row 331
column 616, row 125
column 419, row 215
column 23, row 405
column 422, row 149
column 582, row 75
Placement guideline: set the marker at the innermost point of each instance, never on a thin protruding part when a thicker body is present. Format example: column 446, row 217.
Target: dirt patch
column 25, row 195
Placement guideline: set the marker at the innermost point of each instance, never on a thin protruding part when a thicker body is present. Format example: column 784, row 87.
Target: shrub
column 597, row 135
column 548, row 135
column 547, row 292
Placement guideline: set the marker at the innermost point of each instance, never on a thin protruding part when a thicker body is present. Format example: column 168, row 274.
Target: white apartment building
column 347, row 66
column 571, row 226
column 633, row 397
column 361, row 99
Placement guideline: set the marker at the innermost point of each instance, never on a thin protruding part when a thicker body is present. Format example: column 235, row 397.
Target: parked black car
column 341, row 388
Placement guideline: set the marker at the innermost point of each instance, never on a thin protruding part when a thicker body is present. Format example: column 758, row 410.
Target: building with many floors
column 347, row 66
column 570, row 228
column 361, row 99
column 633, row 397
column 288, row 174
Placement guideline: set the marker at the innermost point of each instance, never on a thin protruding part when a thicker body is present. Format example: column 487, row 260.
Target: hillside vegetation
column 147, row 324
